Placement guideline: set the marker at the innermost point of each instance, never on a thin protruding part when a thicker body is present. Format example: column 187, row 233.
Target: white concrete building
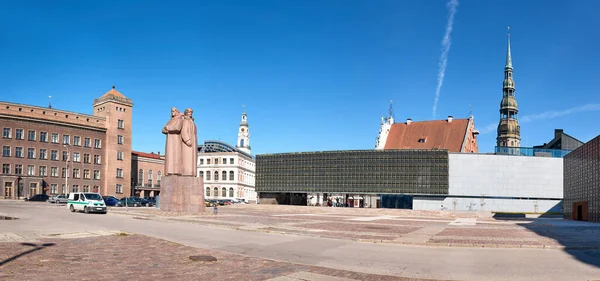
column 228, row 171
column 499, row 183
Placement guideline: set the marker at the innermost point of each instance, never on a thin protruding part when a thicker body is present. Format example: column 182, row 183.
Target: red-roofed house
column 455, row 135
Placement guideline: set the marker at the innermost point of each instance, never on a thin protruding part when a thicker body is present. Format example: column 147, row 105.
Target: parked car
column 144, row 202
column 130, row 201
column 86, row 202
column 38, row 197
column 60, row 199
column 110, row 200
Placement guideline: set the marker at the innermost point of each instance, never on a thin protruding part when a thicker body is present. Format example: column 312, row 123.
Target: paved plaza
column 265, row 242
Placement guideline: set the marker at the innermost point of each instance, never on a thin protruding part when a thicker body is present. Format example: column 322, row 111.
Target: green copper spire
column 508, row 57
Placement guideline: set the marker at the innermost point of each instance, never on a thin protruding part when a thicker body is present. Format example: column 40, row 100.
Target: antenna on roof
column 391, row 108
column 470, row 110
column 49, row 101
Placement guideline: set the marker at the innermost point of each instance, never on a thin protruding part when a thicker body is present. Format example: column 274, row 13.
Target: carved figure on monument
column 173, row 146
column 189, row 149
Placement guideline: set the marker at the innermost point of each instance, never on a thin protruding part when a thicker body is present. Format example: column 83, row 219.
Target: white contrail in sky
column 446, row 43
column 548, row 115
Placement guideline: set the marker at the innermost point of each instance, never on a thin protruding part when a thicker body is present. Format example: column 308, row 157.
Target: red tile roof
column 114, row 92
column 436, row 134
column 147, row 155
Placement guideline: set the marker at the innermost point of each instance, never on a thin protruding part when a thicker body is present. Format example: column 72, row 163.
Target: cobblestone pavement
column 137, row 257
column 432, row 228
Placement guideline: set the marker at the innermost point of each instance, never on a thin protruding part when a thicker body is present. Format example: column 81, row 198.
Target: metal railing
column 530, row 151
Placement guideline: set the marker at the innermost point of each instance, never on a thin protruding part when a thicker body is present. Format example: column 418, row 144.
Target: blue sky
column 314, row 75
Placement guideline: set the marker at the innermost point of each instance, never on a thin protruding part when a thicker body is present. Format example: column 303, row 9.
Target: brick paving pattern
column 137, row 257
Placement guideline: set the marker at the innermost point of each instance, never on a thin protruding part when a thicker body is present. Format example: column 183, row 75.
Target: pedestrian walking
column 216, row 209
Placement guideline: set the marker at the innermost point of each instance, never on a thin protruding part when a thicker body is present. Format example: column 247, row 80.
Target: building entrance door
column 33, row 189
column 8, row 190
column 579, row 212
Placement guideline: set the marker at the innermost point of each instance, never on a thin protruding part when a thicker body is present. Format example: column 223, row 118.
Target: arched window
column 231, row 192
column 242, row 143
column 216, row 176
column 231, row 176
column 141, row 177
column 150, row 178
column 158, row 176
column 224, row 175
column 224, row 192
column 207, row 192
column 216, row 193
column 208, row 175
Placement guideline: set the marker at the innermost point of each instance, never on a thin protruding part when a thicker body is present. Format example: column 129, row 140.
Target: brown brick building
column 581, row 185
column 146, row 173
column 50, row 151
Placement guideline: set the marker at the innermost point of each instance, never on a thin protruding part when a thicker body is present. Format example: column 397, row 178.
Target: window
column 19, row 152
column 422, row 140
column 54, row 138
column 43, row 171
column 242, row 143
column 75, row 188
column 76, row 157
column 30, row 170
column 141, row 177
column 119, row 173
column 54, row 188
column 76, row 173
column 231, row 192
column 97, row 143
column 207, row 192
column 43, row 136
column 224, row 161
column 119, row 155
column 230, row 160
column 43, row 154
column 65, row 156
column 119, row 188
column 216, row 161
column 86, row 158
column 119, row 139
column 66, row 139
column 7, row 133
column 201, row 174
column 54, row 155
column 216, row 176
column 77, row 140
column 96, row 188
column 216, row 192
column 86, row 174
column 120, row 124
column 64, row 172
column 224, row 175
column 96, row 174
column 86, row 188
column 231, row 175
column 54, row 172
column 96, row 159
column 64, row 189
column 158, row 176
column 6, row 151
column 31, row 153
column 208, row 161
column 207, row 175
column 201, row 161
column 6, row 168
column 19, row 134
column 150, row 178
column 18, row 169
column 31, row 135
column 224, row 192
column 87, row 142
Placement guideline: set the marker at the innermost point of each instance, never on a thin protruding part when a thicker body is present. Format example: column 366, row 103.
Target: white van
column 87, row 202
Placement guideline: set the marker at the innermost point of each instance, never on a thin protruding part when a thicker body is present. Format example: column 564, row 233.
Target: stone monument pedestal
column 182, row 194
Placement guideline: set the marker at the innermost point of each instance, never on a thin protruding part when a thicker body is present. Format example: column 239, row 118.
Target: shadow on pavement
column 36, row 248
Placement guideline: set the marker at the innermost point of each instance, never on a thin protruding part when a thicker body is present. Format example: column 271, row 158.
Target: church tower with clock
column 243, row 141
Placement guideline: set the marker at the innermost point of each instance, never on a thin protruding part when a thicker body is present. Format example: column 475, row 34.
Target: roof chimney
column 408, row 121
column 558, row 132
column 450, row 118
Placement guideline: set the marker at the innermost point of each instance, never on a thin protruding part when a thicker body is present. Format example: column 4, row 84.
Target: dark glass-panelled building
column 289, row 178
column 582, row 182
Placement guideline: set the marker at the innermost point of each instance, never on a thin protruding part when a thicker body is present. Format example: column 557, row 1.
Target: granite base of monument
column 182, row 194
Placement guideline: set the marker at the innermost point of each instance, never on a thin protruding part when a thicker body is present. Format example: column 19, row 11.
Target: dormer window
column 422, row 140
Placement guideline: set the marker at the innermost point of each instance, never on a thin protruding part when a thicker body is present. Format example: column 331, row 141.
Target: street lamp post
column 67, row 168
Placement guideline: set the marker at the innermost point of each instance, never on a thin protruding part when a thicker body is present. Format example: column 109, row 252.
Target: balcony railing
column 146, row 185
column 530, row 151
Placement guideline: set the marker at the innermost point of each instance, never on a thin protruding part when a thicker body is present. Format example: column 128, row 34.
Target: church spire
column 508, row 56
